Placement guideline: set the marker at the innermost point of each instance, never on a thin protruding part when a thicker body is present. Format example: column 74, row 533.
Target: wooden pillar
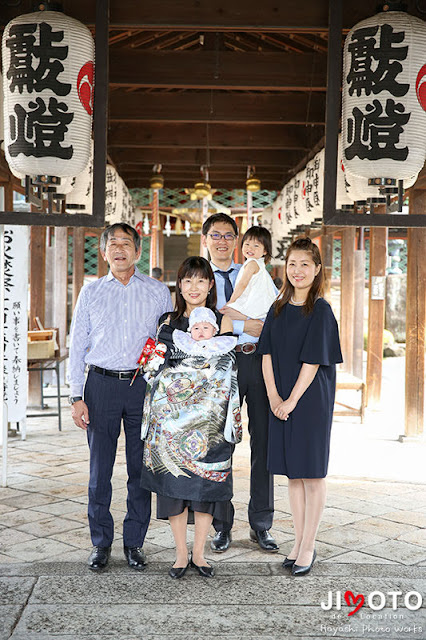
column 160, row 244
column 61, row 285
column 359, row 287
column 415, row 321
column 347, row 298
column 376, row 311
column 102, row 264
column 327, row 259
column 37, row 299
column 77, row 262
column 37, row 273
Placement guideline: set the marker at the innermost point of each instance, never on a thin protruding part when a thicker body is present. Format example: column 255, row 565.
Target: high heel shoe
column 298, row 570
column 288, row 563
column 206, row 572
column 178, row 572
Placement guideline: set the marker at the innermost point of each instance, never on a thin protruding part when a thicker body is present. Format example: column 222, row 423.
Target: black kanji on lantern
column 373, row 135
column 280, row 250
column 23, row 51
column 39, row 133
column 374, row 69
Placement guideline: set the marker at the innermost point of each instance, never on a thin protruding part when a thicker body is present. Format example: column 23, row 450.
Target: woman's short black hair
column 262, row 235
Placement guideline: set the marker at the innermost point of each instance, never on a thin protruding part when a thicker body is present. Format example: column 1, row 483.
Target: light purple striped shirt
column 112, row 322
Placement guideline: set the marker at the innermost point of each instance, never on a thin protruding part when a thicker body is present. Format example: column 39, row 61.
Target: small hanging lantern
column 384, row 97
column 112, row 195
column 157, row 181
column 202, row 189
column 252, row 183
column 48, row 77
column 187, row 228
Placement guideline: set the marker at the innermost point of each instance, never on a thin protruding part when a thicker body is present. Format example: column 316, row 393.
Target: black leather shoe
column 206, row 572
column 99, row 557
column 298, row 570
column 136, row 558
column 264, row 540
column 178, row 572
column 288, row 563
column 221, row 541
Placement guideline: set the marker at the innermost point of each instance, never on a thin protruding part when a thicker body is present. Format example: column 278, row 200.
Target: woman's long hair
column 194, row 266
column 317, row 287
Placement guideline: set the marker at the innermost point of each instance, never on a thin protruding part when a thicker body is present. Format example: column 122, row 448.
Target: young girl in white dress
column 254, row 290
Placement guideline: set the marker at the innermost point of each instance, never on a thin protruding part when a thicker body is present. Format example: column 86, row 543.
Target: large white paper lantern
column 299, row 200
column 48, row 77
column 384, row 97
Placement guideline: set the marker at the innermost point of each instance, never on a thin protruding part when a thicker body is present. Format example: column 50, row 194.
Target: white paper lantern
column 384, row 97
column 314, row 186
column 112, row 195
column 299, row 206
column 1, row 111
column 80, row 198
column 48, row 76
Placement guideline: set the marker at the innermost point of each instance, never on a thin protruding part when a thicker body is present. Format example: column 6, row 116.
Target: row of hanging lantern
column 383, row 143
column 48, row 80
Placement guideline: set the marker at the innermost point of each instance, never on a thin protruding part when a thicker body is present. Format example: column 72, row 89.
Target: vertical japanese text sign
column 16, row 321
column 384, row 97
column 48, row 78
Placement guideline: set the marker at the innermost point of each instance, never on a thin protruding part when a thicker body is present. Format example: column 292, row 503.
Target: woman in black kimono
column 300, row 347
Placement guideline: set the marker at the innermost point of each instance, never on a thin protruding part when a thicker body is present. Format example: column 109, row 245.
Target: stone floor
column 372, row 538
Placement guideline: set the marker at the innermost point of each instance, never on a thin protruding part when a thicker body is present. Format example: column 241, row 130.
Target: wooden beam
column 347, row 299
column 260, row 71
column 78, row 263
column 213, row 136
column 233, row 15
column 327, row 239
column 415, row 321
column 376, row 312
column 203, row 106
column 196, row 157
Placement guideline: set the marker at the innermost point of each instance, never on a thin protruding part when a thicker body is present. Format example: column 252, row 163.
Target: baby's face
column 202, row 331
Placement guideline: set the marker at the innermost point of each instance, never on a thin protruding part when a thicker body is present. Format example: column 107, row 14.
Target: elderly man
column 219, row 235
column 113, row 318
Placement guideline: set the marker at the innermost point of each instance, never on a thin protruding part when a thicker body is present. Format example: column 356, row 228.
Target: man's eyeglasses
column 216, row 237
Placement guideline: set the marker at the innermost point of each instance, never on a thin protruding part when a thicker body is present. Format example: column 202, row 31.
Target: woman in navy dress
column 300, row 347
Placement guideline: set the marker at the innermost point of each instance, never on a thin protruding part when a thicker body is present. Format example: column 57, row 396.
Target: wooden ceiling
column 218, row 83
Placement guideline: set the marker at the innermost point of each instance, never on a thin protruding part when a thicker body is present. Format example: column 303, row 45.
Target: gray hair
column 109, row 231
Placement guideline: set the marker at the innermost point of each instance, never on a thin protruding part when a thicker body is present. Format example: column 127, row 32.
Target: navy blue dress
column 299, row 447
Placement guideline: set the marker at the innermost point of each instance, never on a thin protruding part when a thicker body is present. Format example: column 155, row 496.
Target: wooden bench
column 348, row 381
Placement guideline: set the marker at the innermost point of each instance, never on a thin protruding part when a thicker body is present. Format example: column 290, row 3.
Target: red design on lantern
column 85, row 86
column 421, row 87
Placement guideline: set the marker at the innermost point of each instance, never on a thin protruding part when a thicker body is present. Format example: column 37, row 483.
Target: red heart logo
column 351, row 601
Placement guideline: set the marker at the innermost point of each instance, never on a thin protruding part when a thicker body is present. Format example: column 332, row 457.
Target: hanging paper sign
column 16, row 321
column 314, row 186
column 383, row 99
column 48, row 90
